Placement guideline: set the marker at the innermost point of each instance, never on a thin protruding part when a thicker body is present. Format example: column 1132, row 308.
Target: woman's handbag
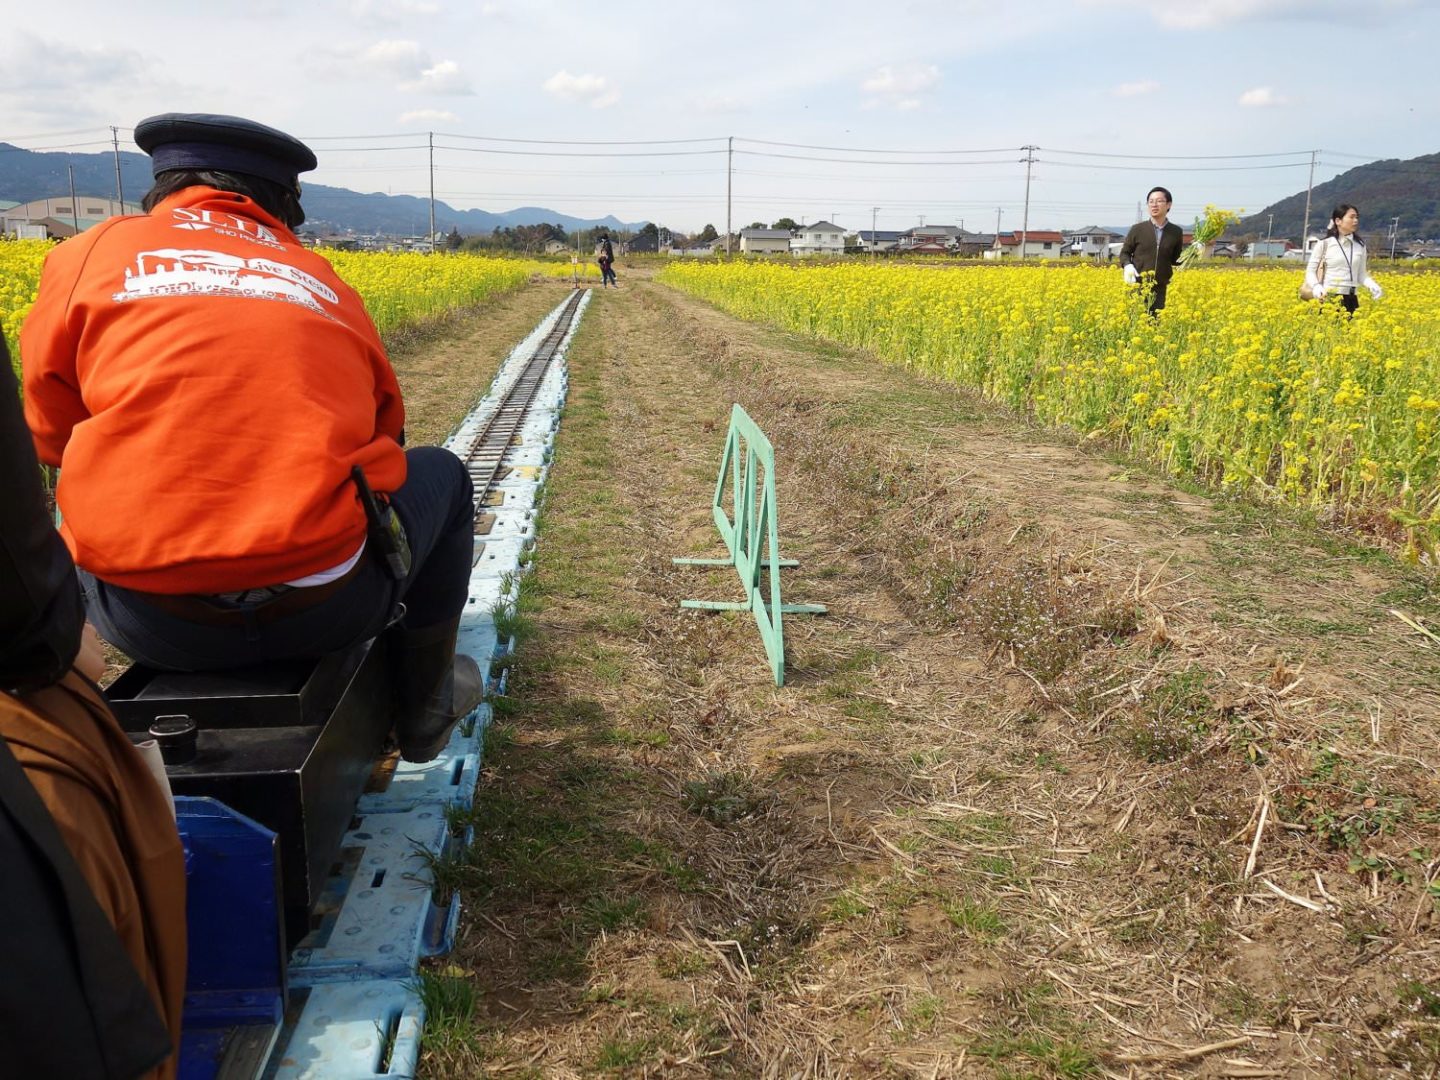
column 1306, row 292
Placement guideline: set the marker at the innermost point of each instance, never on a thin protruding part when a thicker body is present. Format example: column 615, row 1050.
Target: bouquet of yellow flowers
column 1208, row 227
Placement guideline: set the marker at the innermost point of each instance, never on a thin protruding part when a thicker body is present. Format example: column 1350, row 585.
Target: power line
column 861, row 150
column 44, row 149
column 554, row 153
column 56, row 134
column 866, row 161
column 577, row 142
column 373, row 149
column 1173, row 168
column 1176, row 157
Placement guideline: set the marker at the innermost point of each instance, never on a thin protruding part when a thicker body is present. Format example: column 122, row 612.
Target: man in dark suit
column 1153, row 247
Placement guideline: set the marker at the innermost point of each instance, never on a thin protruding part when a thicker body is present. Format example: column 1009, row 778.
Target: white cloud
column 901, row 85
column 47, row 84
column 717, row 103
column 442, row 78
column 594, row 90
column 428, row 117
column 390, row 11
column 1262, row 97
column 1136, row 89
column 403, row 62
column 37, row 65
column 397, row 59
column 1213, row 14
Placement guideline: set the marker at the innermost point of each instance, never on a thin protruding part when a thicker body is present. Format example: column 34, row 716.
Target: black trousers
column 435, row 507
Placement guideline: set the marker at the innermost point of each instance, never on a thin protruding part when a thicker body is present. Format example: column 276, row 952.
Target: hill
column 1383, row 190
column 29, row 174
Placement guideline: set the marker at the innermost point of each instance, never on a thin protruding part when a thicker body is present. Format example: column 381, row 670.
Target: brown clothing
column 117, row 825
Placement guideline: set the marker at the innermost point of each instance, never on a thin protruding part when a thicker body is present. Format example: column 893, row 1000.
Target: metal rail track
column 486, row 457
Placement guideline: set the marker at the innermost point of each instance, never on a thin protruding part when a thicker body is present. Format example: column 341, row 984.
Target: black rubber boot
column 434, row 688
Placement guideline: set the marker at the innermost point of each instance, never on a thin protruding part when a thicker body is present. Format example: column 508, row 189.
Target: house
column 929, row 238
column 973, row 245
column 556, row 247
column 765, row 241
column 62, row 216
column 1268, row 249
column 641, row 243
column 1091, row 242
column 879, row 239
column 695, row 248
column 1039, row 244
column 821, row 238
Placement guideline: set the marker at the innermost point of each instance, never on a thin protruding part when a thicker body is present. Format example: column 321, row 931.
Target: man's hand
column 1319, row 290
column 1132, row 276
column 1375, row 291
column 90, row 661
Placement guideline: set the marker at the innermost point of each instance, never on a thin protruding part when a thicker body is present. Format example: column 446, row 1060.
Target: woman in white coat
column 1338, row 266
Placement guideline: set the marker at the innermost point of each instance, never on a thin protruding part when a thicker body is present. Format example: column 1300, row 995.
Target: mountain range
column 26, row 175
column 1382, row 191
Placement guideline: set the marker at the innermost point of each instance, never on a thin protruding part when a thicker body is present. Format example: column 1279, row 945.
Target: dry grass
column 1082, row 775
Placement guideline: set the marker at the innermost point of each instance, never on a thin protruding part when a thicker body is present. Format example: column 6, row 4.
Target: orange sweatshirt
column 206, row 384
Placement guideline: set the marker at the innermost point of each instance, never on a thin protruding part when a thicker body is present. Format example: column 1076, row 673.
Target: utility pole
column 1029, row 160
column 729, row 173
column 1394, row 232
column 997, row 232
column 119, row 186
column 874, row 240
column 432, row 193
column 74, row 206
column 1269, row 225
column 1305, row 229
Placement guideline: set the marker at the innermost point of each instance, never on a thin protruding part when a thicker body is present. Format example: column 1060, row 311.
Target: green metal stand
column 752, row 537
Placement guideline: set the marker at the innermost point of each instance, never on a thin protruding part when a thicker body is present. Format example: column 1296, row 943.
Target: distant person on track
column 1337, row 265
column 92, row 910
column 1151, row 249
column 218, row 399
column 605, row 256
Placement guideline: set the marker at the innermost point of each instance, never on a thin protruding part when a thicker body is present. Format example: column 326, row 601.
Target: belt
column 271, row 603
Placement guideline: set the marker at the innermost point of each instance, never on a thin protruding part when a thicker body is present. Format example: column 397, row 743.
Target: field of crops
column 1239, row 383
column 20, row 262
column 398, row 289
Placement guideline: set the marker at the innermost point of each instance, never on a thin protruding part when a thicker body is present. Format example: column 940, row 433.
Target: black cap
column 222, row 143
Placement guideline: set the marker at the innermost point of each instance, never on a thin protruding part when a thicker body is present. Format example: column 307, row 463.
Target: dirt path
column 1083, row 774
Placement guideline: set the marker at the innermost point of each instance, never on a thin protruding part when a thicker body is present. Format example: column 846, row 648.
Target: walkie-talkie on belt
column 384, row 529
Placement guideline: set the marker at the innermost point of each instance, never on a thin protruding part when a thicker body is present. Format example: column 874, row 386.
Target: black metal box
column 290, row 745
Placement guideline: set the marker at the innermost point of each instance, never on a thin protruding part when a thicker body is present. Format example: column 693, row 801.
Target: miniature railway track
column 486, row 458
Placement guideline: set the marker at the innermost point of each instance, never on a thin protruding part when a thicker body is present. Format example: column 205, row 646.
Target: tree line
column 533, row 239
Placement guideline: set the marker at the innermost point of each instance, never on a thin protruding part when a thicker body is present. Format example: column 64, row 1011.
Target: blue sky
column 880, row 105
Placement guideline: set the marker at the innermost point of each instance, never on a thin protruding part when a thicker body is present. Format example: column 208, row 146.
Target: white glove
column 1319, row 290
column 1132, row 276
column 1375, row 291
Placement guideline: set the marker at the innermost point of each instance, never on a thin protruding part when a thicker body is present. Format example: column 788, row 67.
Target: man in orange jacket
column 217, row 399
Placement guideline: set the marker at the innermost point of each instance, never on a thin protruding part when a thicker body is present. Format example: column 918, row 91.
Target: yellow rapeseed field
column 1238, row 383
column 20, row 262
